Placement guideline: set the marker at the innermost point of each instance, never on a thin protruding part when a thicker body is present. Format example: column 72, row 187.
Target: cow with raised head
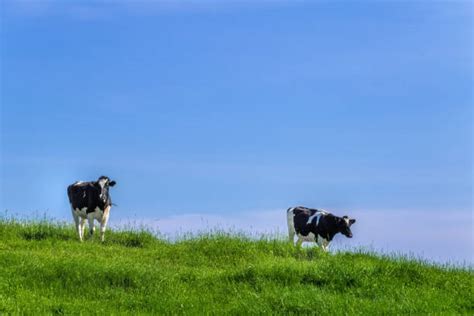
column 91, row 201
column 314, row 225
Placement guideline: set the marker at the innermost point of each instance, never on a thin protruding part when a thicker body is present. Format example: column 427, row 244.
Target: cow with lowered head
column 315, row 225
column 91, row 201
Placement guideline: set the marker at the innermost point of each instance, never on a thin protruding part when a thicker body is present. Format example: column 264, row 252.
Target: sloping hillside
column 43, row 268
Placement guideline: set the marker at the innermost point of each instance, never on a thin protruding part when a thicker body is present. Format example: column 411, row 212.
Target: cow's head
column 104, row 182
column 344, row 224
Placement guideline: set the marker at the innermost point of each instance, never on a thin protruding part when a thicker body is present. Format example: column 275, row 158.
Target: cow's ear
column 352, row 221
column 112, row 183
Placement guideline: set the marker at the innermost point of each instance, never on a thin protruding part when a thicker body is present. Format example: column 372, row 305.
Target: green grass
column 44, row 269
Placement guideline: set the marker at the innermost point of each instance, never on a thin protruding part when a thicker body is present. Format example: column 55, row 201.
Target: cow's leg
column 299, row 242
column 77, row 223
column 103, row 222
column 326, row 246
column 82, row 225
column 90, row 219
column 322, row 243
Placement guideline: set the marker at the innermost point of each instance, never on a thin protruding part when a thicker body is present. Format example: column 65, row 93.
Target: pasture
column 45, row 269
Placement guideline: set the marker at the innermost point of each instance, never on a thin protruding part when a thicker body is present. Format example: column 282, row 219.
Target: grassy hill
column 43, row 268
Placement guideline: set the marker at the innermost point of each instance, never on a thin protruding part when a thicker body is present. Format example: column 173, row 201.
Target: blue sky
column 217, row 107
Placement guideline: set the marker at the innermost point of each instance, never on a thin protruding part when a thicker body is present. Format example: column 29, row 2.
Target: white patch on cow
column 310, row 219
column 318, row 215
column 318, row 218
column 347, row 220
column 102, row 182
column 98, row 214
column 81, row 212
column 78, row 183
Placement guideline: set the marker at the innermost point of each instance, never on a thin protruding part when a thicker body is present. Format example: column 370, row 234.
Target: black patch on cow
column 90, row 194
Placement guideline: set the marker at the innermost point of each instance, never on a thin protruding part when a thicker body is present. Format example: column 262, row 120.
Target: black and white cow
column 90, row 200
column 315, row 225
